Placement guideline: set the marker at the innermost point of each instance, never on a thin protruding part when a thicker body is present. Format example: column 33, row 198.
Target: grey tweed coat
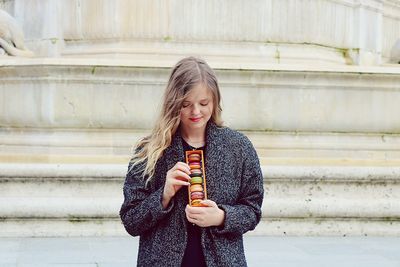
column 234, row 182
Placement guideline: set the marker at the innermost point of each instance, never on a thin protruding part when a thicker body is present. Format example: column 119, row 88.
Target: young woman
column 173, row 233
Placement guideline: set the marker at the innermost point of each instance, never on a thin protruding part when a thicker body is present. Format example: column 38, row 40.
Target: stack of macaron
column 196, row 190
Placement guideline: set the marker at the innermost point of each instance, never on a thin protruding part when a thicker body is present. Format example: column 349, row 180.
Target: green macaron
column 196, row 180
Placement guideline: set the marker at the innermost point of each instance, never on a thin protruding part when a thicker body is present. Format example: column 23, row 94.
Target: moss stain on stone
column 277, row 55
column 74, row 219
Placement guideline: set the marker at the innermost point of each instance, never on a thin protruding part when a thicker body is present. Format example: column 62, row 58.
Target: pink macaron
column 197, row 195
column 194, row 157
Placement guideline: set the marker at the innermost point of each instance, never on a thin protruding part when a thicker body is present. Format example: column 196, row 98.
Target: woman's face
column 197, row 108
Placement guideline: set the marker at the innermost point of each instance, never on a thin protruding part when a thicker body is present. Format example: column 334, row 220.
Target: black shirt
column 193, row 256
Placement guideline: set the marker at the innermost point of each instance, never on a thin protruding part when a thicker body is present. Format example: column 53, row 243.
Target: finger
column 195, row 217
column 180, row 174
column 195, row 210
column 208, row 203
column 188, row 209
column 183, row 167
column 179, row 182
column 190, row 219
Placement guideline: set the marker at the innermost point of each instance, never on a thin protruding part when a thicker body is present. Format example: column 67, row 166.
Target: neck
column 194, row 136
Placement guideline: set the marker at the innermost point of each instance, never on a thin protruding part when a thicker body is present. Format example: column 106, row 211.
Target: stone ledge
column 274, row 207
column 73, row 171
column 61, row 227
column 285, row 227
column 114, row 146
column 332, row 173
column 282, row 172
column 125, row 138
column 328, row 227
column 56, row 206
column 155, row 62
column 339, row 205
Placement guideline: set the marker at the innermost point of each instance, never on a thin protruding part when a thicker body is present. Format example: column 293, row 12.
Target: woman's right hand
column 177, row 177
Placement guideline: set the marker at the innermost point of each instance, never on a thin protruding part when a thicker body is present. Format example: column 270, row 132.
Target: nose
column 195, row 109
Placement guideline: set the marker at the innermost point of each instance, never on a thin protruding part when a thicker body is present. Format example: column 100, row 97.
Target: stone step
column 69, row 182
column 63, row 157
column 264, row 160
column 114, row 146
column 84, row 199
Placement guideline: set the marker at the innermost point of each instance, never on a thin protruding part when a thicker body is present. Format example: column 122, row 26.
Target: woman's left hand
column 210, row 215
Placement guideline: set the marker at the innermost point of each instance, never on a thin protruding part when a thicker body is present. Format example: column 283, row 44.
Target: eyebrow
column 205, row 99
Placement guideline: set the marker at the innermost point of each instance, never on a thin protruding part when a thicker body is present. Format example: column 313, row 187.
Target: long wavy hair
column 186, row 74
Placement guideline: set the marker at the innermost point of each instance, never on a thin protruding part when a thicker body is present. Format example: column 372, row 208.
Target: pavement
column 260, row 251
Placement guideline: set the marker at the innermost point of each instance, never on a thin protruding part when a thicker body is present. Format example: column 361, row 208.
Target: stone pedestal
column 360, row 32
column 42, row 22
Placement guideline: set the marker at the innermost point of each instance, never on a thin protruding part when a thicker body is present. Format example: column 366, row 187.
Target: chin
column 197, row 125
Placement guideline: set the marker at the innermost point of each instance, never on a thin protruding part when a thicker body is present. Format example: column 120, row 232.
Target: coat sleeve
column 246, row 213
column 142, row 207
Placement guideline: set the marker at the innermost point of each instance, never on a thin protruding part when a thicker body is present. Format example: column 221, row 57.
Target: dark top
column 193, row 256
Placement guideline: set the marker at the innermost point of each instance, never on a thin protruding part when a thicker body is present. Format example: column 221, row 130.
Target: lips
column 195, row 119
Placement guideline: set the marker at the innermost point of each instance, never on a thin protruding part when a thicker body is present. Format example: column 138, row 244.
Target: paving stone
column 260, row 251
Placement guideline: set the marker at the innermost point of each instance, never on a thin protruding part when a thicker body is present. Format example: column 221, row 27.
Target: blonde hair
column 186, row 74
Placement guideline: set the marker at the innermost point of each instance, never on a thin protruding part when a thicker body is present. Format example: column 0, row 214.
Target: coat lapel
column 213, row 153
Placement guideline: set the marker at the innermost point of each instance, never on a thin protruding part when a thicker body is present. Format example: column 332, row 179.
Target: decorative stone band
column 283, row 98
